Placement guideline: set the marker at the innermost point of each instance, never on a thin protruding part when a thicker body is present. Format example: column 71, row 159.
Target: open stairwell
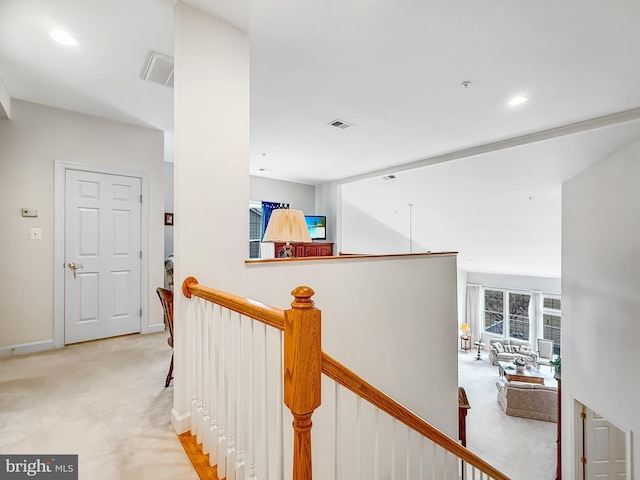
column 248, row 360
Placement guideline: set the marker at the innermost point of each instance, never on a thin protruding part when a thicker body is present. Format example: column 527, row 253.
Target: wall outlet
column 35, row 234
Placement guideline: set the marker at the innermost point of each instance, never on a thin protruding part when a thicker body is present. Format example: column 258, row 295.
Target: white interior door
column 605, row 448
column 102, row 255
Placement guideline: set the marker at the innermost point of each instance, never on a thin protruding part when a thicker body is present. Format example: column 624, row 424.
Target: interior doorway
column 603, row 449
column 101, row 253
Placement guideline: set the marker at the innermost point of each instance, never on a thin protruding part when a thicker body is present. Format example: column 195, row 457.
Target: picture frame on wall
column 168, row 218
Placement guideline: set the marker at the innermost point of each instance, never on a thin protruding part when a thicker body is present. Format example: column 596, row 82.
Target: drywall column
column 600, row 302
column 211, row 108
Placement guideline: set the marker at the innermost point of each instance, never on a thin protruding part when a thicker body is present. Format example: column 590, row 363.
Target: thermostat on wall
column 29, row 212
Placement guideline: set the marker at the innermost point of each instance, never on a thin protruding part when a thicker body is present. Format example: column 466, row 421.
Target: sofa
column 529, row 400
column 507, row 349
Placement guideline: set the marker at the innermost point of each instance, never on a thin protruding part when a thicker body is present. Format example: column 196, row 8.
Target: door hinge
column 141, row 254
column 141, row 312
column 583, row 415
column 140, row 198
column 583, row 460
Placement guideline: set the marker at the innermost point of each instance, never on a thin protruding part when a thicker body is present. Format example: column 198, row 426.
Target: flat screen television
column 317, row 225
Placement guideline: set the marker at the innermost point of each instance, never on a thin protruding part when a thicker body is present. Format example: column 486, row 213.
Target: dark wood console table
column 313, row 249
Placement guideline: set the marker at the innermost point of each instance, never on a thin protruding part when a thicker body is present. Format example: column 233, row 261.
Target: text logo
column 50, row 467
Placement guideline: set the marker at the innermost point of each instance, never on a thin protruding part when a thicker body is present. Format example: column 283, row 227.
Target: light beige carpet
column 521, row 448
column 104, row 401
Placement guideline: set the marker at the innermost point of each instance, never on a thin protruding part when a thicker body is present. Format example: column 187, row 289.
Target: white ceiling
column 393, row 69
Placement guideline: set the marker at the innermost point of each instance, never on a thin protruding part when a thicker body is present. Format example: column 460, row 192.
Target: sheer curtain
column 473, row 309
column 535, row 318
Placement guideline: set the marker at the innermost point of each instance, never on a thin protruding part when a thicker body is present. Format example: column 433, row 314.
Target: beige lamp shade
column 286, row 225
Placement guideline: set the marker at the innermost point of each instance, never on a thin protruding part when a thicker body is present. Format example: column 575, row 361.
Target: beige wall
column 31, row 142
column 600, row 301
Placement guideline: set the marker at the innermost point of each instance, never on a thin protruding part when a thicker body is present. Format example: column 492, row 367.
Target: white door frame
column 58, row 243
column 577, row 433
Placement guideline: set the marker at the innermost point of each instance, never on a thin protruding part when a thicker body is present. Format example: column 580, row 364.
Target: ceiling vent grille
column 340, row 124
column 159, row 69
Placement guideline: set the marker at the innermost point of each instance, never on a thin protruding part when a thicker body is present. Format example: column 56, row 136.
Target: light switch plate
column 29, row 212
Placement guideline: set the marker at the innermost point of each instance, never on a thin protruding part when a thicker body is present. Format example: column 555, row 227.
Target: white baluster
column 198, row 352
column 434, row 452
column 221, row 342
column 250, row 407
column 376, row 446
column 408, row 459
column 231, row 397
column 421, row 464
column 240, row 411
column 194, row 369
column 206, row 374
column 262, row 438
column 358, row 438
column 338, row 438
column 212, row 435
column 279, row 466
column 393, row 450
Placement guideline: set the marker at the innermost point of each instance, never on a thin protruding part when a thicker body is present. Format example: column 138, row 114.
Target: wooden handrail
column 345, row 377
column 258, row 311
column 275, row 317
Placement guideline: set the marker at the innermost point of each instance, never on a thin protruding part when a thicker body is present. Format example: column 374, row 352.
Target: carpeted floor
column 521, row 448
column 104, row 401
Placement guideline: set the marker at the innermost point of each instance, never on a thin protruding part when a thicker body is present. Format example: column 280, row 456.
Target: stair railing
column 242, row 372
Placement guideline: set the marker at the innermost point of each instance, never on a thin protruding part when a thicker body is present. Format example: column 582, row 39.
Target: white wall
column 600, row 301
column 391, row 320
column 516, row 282
column 361, row 233
column 30, row 143
column 299, row 196
column 327, row 204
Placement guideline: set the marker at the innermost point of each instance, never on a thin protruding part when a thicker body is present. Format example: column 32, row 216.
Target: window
column 255, row 230
column 501, row 304
column 493, row 311
column 551, row 316
column 519, row 315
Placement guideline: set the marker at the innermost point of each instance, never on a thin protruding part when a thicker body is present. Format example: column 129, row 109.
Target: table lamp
column 465, row 329
column 288, row 226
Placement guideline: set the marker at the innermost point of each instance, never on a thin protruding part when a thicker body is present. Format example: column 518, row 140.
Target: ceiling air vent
column 159, row 69
column 389, row 177
column 340, row 124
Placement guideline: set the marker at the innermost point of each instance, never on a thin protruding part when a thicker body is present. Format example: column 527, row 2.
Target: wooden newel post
column 302, row 370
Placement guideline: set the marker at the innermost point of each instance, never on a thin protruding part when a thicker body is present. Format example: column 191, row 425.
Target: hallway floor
column 103, row 400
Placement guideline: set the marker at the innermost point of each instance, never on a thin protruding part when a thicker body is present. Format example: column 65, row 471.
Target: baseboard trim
column 180, row 423
column 158, row 327
column 24, row 348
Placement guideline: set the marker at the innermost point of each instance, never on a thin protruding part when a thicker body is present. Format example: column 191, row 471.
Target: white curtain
column 473, row 309
column 535, row 318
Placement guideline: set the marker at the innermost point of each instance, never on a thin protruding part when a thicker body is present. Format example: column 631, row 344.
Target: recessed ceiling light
column 519, row 100
column 63, row 37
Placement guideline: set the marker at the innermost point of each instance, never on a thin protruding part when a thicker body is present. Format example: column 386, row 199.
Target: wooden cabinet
column 314, row 249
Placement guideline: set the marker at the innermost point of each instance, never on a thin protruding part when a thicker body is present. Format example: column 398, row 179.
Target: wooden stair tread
column 199, row 460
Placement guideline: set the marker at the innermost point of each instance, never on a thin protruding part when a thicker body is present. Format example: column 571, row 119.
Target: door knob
column 75, row 267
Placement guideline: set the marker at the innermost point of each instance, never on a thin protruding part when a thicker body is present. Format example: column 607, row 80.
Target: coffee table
column 509, row 371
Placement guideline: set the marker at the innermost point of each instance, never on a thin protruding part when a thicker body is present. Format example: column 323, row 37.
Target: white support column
column 211, row 183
